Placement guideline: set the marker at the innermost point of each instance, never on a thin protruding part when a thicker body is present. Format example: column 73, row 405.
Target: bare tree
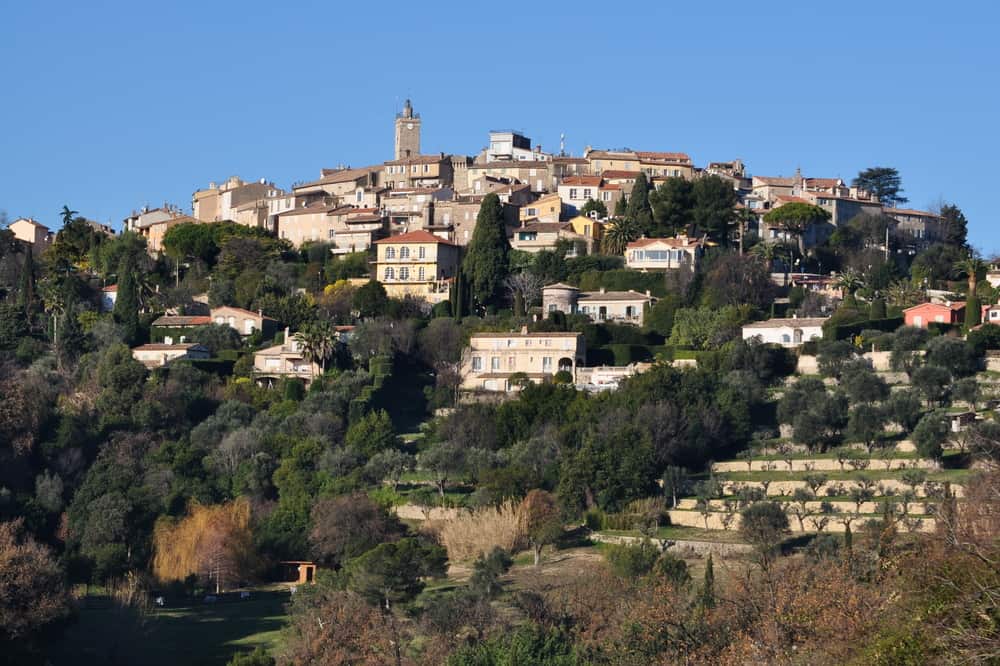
column 524, row 287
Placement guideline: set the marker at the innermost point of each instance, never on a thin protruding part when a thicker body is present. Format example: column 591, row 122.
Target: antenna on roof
column 562, row 144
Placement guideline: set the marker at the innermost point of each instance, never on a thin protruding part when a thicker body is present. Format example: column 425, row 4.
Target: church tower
column 407, row 133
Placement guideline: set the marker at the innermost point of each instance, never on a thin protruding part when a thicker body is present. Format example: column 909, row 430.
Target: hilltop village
column 505, row 408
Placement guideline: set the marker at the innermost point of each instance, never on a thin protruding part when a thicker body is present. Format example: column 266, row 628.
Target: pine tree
column 708, row 588
column 126, row 312
column 485, row 265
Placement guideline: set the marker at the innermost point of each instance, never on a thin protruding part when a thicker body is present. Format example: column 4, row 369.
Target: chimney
column 604, row 290
column 647, row 293
column 286, row 336
column 524, row 330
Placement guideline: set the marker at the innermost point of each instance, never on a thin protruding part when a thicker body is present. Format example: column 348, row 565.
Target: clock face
column 409, row 125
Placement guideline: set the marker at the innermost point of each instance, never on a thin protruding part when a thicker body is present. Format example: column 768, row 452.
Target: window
column 404, row 273
column 420, row 274
column 477, row 363
column 390, row 274
column 586, row 193
column 606, row 196
column 404, row 253
column 572, row 193
column 421, row 252
column 359, row 196
column 552, row 307
column 332, row 234
column 427, row 168
column 546, row 364
column 532, row 212
column 511, row 363
column 390, row 253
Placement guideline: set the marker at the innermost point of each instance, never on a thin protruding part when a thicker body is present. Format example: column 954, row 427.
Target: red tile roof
column 418, row 236
column 670, row 157
column 592, row 181
column 672, row 242
column 618, row 173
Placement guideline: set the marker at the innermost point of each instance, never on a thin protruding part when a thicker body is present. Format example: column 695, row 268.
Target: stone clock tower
column 407, row 133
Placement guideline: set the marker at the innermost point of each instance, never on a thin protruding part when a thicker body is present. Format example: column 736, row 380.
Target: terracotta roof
column 592, row 181
column 672, row 242
column 630, row 295
column 543, row 227
column 110, row 287
column 953, row 306
column 560, row 285
column 241, row 311
column 327, row 209
column 669, row 157
column 419, row 159
column 511, row 164
column 332, row 176
column 824, row 182
column 910, row 212
column 183, row 320
column 775, row 180
column 164, row 347
column 608, row 174
column 787, row 199
column 611, row 186
column 518, row 334
column 418, row 236
column 787, row 321
column 569, row 160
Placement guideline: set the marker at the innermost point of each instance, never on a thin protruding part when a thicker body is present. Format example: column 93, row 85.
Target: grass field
column 199, row 635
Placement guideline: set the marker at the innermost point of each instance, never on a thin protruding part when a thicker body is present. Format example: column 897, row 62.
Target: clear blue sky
column 111, row 105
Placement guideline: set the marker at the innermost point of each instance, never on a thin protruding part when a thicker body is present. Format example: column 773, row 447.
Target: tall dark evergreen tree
column 708, row 587
column 126, row 311
column 672, row 204
column 714, row 208
column 621, row 206
column 883, row 183
column 26, row 289
column 485, row 266
column 639, row 209
column 955, row 227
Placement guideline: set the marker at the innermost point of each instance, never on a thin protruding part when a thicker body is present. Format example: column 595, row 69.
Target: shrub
column 633, row 561
column 477, row 532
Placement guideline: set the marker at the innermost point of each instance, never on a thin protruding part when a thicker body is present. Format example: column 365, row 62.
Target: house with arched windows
column 787, row 332
column 416, row 264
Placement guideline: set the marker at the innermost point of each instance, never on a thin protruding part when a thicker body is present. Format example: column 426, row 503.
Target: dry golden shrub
column 480, row 530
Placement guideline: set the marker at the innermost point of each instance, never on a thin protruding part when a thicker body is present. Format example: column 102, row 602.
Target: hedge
column 848, row 331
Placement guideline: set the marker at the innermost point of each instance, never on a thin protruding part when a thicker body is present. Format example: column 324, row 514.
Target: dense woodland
column 192, row 479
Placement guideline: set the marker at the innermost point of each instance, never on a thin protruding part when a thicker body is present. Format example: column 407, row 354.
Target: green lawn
column 681, row 533
column 192, row 635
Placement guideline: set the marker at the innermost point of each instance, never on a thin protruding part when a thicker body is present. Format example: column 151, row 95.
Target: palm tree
column 849, row 282
column 904, row 293
column 972, row 267
column 795, row 218
column 68, row 215
column 619, row 234
column 318, row 341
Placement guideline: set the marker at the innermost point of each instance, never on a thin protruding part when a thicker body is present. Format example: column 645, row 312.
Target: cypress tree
column 848, row 540
column 877, row 310
column 486, row 260
column 26, row 290
column 973, row 314
column 708, row 588
column 639, row 210
column 621, row 207
column 126, row 311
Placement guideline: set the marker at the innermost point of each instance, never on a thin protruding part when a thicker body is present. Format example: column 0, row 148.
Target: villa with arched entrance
column 787, row 332
column 501, row 362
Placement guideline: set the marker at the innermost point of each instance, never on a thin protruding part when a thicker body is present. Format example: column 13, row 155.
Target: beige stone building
column 493, row 360
column 341, row 185
column 456, row 219
column 34, row 233
column 155, row 231
column 244, row 322
column 157, row 355
column 286, row 360
column 221, row 202
column 346, row 227
column 620, row 307
column 537, row 174
column 419, row 171
column 654, row 164
column 417, row 264
column 650, row 254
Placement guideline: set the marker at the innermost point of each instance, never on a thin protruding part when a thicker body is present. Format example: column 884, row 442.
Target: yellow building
column 546, row 209
column 494, row 361
column 589, row 228
column 418, row 264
